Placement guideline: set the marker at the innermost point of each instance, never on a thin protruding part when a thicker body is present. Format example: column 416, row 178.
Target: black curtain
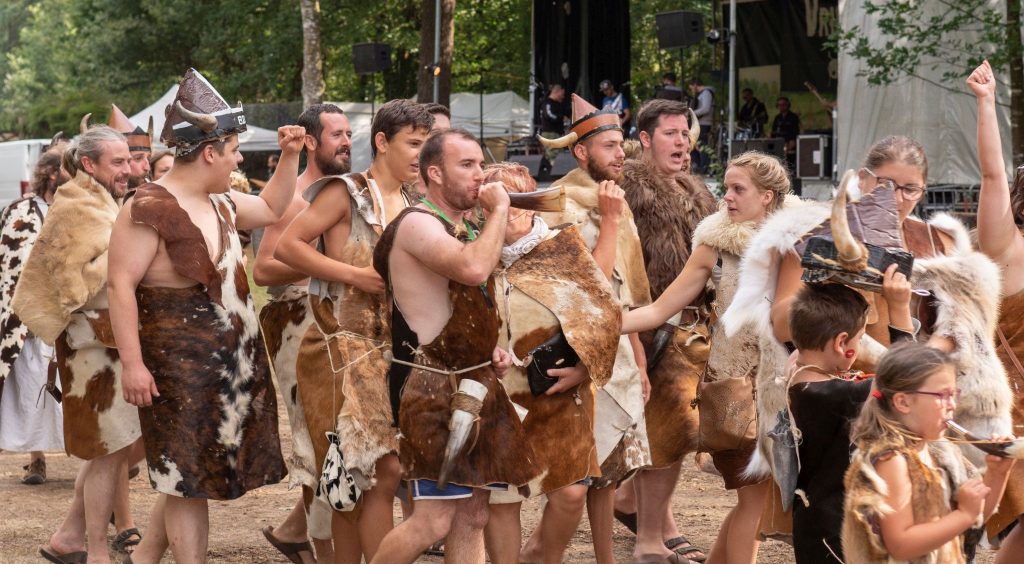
column 590, row 37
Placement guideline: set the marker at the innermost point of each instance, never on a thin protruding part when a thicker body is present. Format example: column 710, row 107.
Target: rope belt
column 330, row 356
column 451, row 374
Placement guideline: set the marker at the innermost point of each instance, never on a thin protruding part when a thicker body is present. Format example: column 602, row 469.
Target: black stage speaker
column 679, row 29
column 814, row 156
column 371, row 57
column 770, row 146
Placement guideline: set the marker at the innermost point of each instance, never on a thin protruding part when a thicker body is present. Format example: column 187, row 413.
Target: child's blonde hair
column 903, row 368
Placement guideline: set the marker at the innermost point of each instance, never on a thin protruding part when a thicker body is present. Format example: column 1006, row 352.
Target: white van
column 17, row 159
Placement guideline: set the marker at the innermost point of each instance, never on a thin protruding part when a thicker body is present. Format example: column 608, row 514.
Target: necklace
column 470, row 233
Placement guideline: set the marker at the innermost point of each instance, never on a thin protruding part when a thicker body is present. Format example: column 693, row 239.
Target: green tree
column 947, row 35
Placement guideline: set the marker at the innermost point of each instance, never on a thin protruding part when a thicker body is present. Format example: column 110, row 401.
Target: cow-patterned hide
column 212, row 433
column 284, row 322
column 20, row 224
column 340, row 367
column 557, row 287
column 68, row 264
column 667, row 211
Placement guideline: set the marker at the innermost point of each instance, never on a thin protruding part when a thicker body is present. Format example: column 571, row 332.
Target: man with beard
column 596, row 141
column 61, row 298
column 340, row 367
column 667, row 204
column 185, row 322
column 285, row 320
column 139, row 144
column 444, row 333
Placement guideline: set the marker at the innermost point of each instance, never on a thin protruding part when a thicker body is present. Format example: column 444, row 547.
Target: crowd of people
column 443, row 333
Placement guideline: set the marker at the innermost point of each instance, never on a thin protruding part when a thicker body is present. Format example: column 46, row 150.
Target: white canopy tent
column 254, row 139
column 944, row 120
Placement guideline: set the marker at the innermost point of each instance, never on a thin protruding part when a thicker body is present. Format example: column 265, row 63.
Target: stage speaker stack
column 371, row 57
column 814, row 156
column 679, row 29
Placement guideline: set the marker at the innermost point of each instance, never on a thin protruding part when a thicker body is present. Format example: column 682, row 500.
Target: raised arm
column 132, row 248
column 329, row 215
column 268, row 271
column 998, row 236
column 271, row 204
column 466, row 263
column 611, row 199
column 679, row 294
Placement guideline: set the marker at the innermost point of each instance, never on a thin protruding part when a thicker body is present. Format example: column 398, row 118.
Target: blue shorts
column 428, row 489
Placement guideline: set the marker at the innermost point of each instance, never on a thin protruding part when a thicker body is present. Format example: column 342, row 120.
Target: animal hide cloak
column 1011, row 323
column 20, row 224
column 500, row 452
column 933, row 493
column 557, row 287
column 965, row 286
column 666, row 211
column 619, row 426
column 284, row 321
column 341, row 370
column 212, row 433
column 68, row 264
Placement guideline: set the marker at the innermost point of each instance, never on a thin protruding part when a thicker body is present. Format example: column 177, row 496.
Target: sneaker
column 35, row 473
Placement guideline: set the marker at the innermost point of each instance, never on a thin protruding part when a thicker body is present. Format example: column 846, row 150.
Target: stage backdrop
column 780, row 45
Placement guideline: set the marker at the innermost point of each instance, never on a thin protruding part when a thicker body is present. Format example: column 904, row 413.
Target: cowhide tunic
column 1011, row 323
column 212, row 432
column 340, row 367
column 284, row 321
column 501, row 452
column 557, row 287
column 20, row 223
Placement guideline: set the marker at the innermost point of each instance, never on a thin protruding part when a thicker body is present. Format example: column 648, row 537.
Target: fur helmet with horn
column 199, row 114
column 586, row 121
column 138, row 139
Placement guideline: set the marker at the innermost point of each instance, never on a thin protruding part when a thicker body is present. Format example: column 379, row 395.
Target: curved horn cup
column 853, row 255
column 460, row 426
column 694, row 128
column 83, row 126
column 560, row 143
column 206, row 122
column 547, row 200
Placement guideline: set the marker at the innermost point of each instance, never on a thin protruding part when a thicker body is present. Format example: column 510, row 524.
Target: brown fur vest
column 666, row 212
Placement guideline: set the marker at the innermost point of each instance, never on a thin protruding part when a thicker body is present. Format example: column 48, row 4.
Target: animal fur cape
column 68, row 264
column 965, row 284
column 20, row 223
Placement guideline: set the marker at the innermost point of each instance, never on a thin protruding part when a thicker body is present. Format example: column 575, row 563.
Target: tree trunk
column 1016, row 56
column 312, row 60
column 425, row 84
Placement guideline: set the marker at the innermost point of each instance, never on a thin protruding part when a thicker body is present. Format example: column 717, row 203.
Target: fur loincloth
column 213, row 431
column 68, row 264
column 666, row 212
column 932, row 499
column 283, row 323
column 20, row 223
column 620, row 406
column 965, row 286
column 557, row 287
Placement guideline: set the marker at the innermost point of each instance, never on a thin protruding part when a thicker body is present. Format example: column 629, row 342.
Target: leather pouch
column 552, row 353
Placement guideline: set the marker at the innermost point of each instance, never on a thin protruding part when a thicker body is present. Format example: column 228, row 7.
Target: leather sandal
column 126, row 540
column 290, row 550
column 673, row 544
column 77, row 557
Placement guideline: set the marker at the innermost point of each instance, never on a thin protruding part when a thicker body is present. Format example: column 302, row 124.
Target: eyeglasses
column 947, row 397
column 910, row 192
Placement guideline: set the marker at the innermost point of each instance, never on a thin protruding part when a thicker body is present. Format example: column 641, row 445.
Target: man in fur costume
column 667, row 205
column 958, row 313
column 185, row 323
column 285, row 321
column 557, row 306
column 28, row 422
column 596, row 141
column 61, row 298
column 460, row 433
column 341, row 367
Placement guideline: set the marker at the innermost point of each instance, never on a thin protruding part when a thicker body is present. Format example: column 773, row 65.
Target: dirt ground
column 28, row 515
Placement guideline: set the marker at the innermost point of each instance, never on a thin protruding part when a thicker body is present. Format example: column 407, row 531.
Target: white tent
column 254, row 139
column 944, row 121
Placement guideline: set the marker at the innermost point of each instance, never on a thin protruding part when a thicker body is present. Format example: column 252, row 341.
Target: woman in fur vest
column 756, row 185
